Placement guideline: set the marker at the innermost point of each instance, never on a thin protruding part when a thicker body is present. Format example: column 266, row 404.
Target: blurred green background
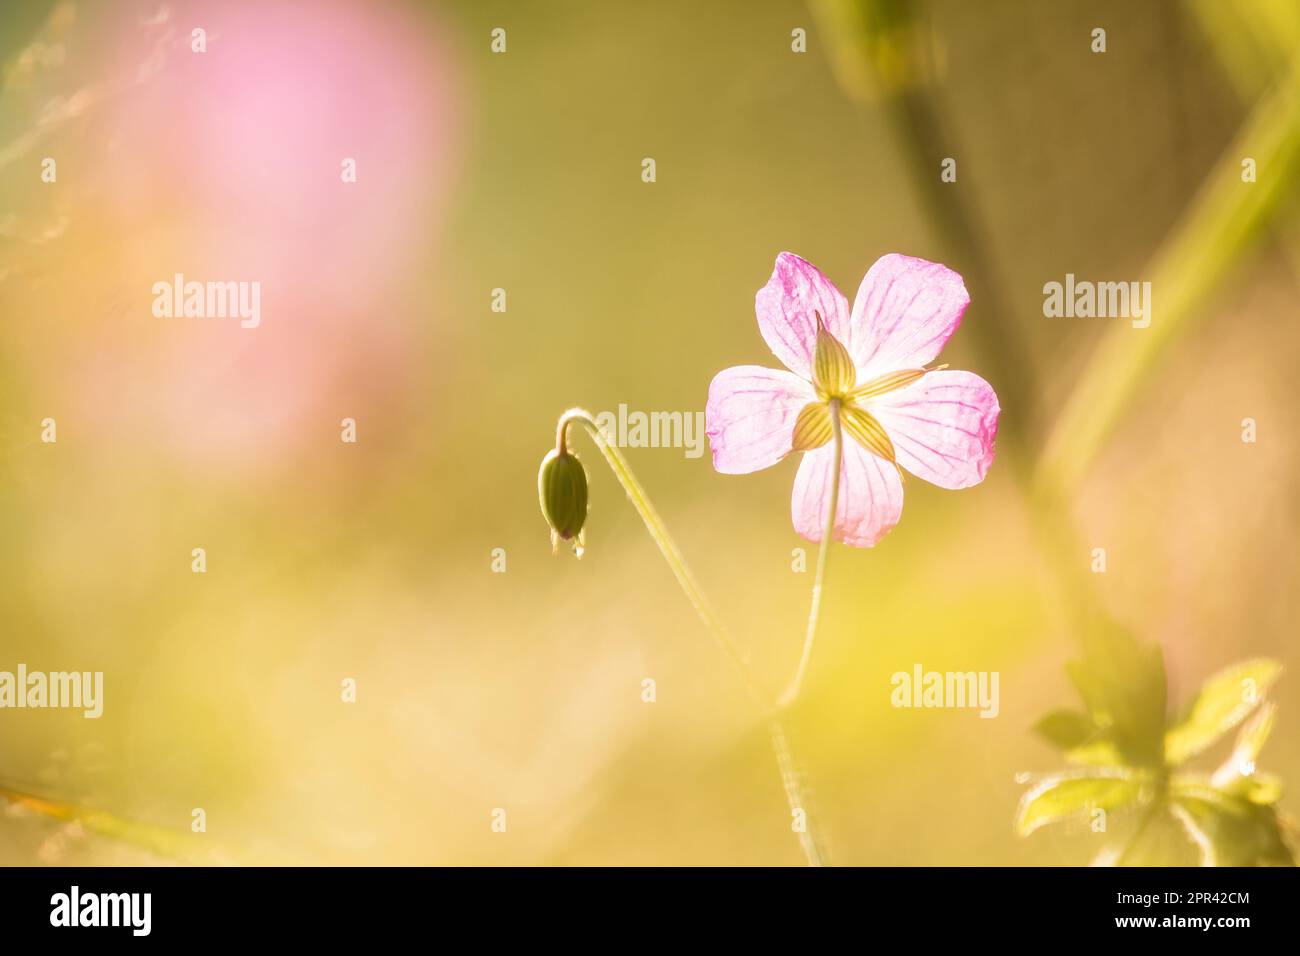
column 522, row 690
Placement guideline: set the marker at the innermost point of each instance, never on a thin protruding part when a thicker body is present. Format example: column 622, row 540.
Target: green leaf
column 1082, row 740
column 1101, row 752
column 1060, row 796
column 1122, row 682
column 1230, row 830
column 1250, row 741
column 1066, row 729
column 1261, row 788
column 1225, row 700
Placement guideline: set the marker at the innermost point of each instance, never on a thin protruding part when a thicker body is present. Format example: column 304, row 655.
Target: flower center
column 835, row 379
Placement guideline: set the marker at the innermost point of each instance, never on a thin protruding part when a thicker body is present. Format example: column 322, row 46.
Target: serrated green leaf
column 1122, row 683
column 1224, row 701
column 1065, row 795
column 1250, row 741
column 1082, row 740
column 1230, row 830
column 1066, row 729
column 1101, row 752
column 1260, row 788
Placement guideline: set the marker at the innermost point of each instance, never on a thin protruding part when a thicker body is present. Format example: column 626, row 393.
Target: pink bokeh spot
column 227, row 165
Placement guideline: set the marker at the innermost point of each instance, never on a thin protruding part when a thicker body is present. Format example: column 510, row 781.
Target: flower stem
column 814, row 612
column 790, row 776
column 1132, row 843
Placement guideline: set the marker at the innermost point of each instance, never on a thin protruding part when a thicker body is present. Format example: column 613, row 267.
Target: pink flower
column 869, row 363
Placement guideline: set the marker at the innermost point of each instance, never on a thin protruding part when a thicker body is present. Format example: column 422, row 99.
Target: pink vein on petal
column 890, row 331
column 750, row 416
column 952, row 414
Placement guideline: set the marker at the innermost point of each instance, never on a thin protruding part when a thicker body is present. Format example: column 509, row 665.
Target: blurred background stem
column 881, row 53
column 1226, row 215
column 179, row 845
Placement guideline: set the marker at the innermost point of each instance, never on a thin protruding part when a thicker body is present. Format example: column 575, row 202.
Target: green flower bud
column 562, row 491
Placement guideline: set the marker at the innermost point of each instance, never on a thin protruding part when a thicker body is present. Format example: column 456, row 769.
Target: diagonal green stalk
column 814, row 612
column 1222, row 221
column 178, row 845
column 790, row 776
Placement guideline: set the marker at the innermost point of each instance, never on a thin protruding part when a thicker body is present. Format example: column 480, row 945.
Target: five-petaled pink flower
column 867, row 363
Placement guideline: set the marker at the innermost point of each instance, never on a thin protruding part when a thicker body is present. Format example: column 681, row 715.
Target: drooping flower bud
column 562, row 491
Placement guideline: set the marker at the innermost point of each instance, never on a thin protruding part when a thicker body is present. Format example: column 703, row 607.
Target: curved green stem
column 790, row 776
column 828, row 532
column 659, row 532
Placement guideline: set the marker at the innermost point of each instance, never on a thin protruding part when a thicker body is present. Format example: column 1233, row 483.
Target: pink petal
column 750, row 416
column 905, row 312
column 786, row 309
column 870, row 501
column 943, row 427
